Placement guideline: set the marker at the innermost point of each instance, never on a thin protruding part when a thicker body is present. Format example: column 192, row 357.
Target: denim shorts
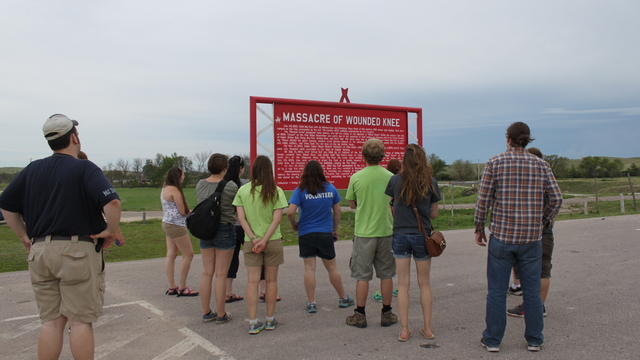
column 225, row 238
column 318, row 244
column 404, row 245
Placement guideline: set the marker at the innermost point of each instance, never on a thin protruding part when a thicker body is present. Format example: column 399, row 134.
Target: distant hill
column 625, row 161
column 10, row 170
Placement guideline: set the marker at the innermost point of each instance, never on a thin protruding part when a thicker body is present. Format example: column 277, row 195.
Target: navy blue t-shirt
column 59, row 195
column 404, row 219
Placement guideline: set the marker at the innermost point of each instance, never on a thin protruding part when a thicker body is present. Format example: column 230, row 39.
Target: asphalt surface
column 592, row 306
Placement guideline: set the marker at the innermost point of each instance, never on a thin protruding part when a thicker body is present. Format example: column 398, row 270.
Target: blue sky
column 149, row 77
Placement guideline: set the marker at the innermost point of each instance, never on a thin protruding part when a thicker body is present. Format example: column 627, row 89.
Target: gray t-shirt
column 204, row 189
column 404, row 219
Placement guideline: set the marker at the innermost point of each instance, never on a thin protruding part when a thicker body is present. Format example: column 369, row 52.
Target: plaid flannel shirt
column 514, row 185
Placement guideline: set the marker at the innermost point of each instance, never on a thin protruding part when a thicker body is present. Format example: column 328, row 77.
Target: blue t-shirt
column 59, row 195
column 315, row 210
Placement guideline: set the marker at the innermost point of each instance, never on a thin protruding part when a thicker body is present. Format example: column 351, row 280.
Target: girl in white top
column 175, row 209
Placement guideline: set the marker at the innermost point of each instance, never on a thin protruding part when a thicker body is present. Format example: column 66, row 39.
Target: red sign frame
column 331, row 133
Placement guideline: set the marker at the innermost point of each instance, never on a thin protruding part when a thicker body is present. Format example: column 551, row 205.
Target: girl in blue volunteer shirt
column 317, row 230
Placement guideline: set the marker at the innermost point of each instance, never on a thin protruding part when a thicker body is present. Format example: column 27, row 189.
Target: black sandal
column 172, row 291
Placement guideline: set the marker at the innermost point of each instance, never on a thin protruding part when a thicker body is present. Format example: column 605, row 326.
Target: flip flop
column 172, row 291
column 263, row 298
column 433, row 336
column 233, row 297
column 400, row 338
column 187, row 292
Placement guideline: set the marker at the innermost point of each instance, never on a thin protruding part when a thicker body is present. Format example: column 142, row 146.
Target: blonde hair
column 373, row 151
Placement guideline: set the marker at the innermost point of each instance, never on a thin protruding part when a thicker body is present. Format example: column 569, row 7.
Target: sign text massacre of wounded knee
column 332, row 136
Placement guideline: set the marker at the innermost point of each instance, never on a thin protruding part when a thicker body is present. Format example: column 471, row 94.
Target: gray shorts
column 370, row 253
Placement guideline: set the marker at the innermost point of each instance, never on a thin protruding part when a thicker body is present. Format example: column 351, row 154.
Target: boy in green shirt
column 373, row 234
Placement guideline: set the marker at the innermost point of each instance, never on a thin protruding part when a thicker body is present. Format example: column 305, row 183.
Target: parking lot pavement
column 592, row 306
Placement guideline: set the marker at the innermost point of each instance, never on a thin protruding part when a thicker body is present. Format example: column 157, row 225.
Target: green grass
column 147, row 241
column 606, row 187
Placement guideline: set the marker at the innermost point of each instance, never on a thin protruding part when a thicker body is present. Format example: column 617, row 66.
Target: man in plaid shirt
column 514, row 185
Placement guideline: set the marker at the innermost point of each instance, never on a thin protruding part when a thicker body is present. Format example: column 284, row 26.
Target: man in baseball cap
column 57, row 125
column 55, row 206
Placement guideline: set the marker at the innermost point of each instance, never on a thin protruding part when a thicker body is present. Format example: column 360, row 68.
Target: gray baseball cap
column 56, row 126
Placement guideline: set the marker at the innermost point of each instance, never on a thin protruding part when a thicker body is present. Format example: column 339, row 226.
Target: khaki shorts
column 67, row 279
column 174, row 231
column 273, row 254
column 369, row 253
column 547, row 254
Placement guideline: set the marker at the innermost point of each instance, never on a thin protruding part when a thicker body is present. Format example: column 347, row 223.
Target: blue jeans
column 528, row 258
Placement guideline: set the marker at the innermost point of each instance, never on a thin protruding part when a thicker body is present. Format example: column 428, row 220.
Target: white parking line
column 192, row 341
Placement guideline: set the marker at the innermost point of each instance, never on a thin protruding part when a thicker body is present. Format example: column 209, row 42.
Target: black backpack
column 204, row 220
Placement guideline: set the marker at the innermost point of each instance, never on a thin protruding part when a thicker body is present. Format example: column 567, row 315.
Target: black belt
column 60, row 237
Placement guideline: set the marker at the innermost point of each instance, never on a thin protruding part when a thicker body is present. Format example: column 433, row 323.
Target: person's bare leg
column 362, row 291
column 334, row 276
column 403, row 268
column 310, row 278
column 253, row 278
column 184, row 245
column 223, row 259
column 423, row 269
column 229, row 286
column 51, row 338
column 263, row 286
column 170, row 263
column 271, row 295
column 206, row 280
column 386, row 290
column 81, row 340
column 544, row 288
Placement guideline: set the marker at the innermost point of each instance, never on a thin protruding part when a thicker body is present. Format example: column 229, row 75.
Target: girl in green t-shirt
column 260, row 206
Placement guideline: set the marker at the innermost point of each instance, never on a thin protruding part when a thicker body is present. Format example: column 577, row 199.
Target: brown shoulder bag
column 436, row 242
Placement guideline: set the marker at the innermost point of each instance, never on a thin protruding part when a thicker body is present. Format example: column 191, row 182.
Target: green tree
column 588, row 167
column 611, row 168
column 438, row 165
column 462, row 170
column 559, row 165
column 633, row 170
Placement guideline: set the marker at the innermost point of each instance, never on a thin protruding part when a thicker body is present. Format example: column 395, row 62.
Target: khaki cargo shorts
column 67, row 279
column 370, row 253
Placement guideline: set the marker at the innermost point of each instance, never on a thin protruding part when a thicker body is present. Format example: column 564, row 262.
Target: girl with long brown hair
column 260, row 207
column 413, row 188
column 175, row 211
column 317, row 230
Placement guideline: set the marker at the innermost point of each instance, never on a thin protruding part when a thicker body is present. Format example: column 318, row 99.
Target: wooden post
column 622, row 203
column 451, row 223
column 633, row 194
column 595, row 184
column 144, row 218
column 586, row 208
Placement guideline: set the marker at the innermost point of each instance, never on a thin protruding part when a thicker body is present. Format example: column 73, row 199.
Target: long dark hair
column 233, row 172
column 262, row 174
column 416, row 175
column 173, row 179
column 312, row 178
